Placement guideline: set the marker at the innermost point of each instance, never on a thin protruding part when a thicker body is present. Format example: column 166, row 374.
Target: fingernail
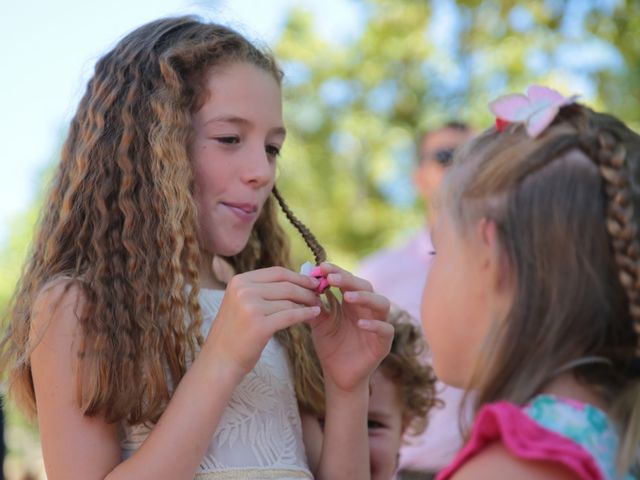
column 334, row 277
column 365, row 323
column 350, row 296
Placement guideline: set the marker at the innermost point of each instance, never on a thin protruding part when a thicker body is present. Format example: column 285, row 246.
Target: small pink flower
column 324, row 283
column 536, row 110
column 309, row 269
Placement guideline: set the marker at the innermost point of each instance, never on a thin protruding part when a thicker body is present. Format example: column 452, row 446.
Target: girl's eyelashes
column 273, row 151
column 228, row 140
column 432, row 253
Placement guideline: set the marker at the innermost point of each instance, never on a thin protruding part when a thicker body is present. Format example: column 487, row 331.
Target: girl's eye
column 228, row 140
column 432, row 253
column 272, row 151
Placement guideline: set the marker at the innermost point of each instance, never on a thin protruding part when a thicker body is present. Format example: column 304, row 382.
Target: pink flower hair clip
column 312, row 270
column 536, row 110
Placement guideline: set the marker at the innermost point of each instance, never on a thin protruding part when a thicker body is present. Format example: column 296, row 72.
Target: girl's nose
column 260, row 168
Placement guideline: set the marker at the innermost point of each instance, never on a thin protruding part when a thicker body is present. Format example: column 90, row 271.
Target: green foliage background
column 354, row 107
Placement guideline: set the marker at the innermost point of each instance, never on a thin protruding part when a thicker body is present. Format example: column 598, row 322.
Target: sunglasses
column 444, row 156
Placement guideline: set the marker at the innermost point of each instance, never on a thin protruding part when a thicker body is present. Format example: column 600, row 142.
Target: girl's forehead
column 242, row 91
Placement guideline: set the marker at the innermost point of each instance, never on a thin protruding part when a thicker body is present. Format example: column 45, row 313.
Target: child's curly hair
column 405, row 367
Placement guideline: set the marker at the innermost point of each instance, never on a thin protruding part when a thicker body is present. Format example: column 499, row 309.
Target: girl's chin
column 229, row 250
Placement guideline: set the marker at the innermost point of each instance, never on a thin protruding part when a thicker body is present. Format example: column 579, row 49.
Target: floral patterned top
column 550, row 428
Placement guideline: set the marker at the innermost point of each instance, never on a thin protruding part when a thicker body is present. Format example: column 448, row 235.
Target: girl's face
column 238, row 134
column 385, row 427
column 459, row 297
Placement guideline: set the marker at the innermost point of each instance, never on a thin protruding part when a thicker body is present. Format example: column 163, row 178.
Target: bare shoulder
column 496, row 459
column 56, row 310
column 74, row 445
column 54, row 330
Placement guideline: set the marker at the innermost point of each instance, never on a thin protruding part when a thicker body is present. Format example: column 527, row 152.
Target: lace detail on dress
column 260, row 430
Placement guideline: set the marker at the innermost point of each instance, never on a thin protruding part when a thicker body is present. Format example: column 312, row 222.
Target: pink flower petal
column 540, row 120
column 324, row 284
column 316, row 272
column 512, row 107
column 538, row 92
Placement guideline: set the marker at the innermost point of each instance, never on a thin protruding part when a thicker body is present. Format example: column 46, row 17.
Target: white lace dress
column 259, row 435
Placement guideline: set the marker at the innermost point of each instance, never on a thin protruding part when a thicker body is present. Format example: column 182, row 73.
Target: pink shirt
column 551, row 429
column 399, row 274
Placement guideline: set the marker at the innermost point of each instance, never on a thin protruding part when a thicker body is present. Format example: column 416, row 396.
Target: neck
column 566, row 385
column 207, row 276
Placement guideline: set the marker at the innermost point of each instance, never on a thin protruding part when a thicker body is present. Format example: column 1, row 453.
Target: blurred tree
column 354, row 107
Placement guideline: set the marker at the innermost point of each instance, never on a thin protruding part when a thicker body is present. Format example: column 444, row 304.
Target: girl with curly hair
column 403, row 393
column 138, row 357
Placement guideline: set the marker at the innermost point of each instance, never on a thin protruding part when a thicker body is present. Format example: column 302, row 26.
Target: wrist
column 357, row 390
column 219, row 368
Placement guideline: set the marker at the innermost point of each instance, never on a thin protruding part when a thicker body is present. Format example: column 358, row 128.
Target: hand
column 256, row 304
column 351, row 347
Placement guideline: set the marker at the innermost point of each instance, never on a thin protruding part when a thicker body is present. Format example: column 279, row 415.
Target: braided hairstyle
column 567, row 210
column 309, row 238
column 621, row 214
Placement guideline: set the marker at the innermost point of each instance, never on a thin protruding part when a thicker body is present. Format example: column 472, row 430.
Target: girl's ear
column 496, row 258
column 488, row 233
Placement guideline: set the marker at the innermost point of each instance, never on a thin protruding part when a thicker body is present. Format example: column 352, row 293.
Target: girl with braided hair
column 137, row 360
column 533, row 298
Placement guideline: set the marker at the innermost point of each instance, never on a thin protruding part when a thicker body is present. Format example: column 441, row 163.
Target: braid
column 620, row 220
column 309, row 238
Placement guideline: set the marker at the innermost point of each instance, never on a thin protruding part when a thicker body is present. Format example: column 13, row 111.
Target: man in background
column 400, row 275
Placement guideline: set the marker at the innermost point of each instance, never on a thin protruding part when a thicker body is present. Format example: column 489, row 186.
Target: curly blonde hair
column 120, row 223
column 413, row 378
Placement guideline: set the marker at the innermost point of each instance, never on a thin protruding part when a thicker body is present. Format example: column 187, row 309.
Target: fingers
column 275, row 306
column 285, row 318
column 343, row 279
column 378, row 304
column 281, row 274
column 383, row 331
column 288, row 291
column 379, row 327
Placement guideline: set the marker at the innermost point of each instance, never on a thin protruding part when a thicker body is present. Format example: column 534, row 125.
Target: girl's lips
column 244, row 211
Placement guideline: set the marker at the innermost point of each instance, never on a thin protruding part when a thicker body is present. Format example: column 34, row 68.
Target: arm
column 349, row 351
column 79, row 447
column 346, row 452
column 312, row 436
column 82, row 447
column 496, row 461
column 345, row 449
